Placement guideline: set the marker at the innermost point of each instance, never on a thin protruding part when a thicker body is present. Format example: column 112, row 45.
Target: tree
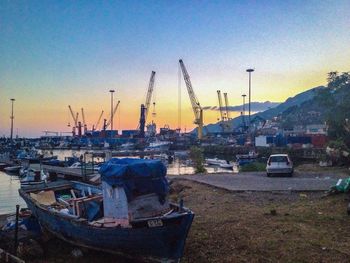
column 336, row 81
column 197, row 157
column 331, row 76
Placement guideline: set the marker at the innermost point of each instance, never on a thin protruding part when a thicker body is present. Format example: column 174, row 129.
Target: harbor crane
column 224, row 125
column 149, row 94
column 75, row 119
column 226, row 107
column 83, row 117
column 98, row 121
column 145, row 108
column 110, row 118
column 220, row 106
column 196, row 107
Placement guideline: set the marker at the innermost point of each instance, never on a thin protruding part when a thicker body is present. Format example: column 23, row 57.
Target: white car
column 279, row 164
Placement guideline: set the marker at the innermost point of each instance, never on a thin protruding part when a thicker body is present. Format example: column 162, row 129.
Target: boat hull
column 157, row 243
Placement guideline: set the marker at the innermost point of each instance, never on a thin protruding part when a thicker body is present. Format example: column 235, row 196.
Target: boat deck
column 69, row 172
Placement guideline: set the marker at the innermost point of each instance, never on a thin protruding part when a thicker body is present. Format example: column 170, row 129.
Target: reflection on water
column 9, row 196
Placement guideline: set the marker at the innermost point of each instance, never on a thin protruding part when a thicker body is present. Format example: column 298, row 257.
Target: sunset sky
column 59, row 53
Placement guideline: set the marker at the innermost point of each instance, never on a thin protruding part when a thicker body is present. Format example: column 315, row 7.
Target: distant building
column 296, row 130
column 316, row 129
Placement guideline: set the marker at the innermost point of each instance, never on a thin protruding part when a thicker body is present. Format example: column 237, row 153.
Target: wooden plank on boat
column 9, row 258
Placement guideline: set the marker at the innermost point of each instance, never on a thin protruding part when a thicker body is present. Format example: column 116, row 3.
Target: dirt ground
column 248, row 227
column 264, row 227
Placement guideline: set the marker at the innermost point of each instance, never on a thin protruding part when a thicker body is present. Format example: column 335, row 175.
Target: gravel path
column 259, row 182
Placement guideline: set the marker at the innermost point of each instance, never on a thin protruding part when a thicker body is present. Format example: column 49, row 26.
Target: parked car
column 279, row 164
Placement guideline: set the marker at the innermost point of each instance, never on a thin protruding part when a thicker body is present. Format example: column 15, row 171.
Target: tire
column 268, row 175
column 290, row 174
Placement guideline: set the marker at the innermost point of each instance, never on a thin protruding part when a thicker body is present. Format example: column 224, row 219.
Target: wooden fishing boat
column 77, row 219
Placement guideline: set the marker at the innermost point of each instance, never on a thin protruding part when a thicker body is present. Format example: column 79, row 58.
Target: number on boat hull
column 155, row 223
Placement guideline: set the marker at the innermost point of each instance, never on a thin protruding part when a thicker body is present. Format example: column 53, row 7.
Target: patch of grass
column 253, row 167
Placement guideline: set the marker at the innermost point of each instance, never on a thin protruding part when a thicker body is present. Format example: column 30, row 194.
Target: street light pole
column 12, row 117
column 111, row 91
column 243, row 96
column 250, row 70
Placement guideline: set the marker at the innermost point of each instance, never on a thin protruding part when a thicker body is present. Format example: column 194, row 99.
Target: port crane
column 145, row 108
column 224, row 115
column 110, row 118
column 98, row 121
column 220, row 105
column 83, row 117
column 149, row 94
column 75, row 119
column 196, row 107
column 226, row 107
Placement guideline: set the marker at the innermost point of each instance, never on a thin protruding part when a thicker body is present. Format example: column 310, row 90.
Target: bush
column 253, row 167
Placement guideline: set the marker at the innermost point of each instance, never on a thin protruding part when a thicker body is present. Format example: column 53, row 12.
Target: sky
column 59, row 53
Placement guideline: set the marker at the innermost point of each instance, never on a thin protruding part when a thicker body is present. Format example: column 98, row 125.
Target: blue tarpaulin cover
column 136, row 176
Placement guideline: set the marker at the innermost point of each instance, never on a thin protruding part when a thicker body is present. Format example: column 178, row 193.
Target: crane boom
column 149, row 93
column 226, row 107
column 99, row 119
column 75, row 118
column 220, row 105
column 196, row 107
column 114, row 111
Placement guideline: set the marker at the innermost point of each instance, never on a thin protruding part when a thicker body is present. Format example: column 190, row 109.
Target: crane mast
column 149, row 93
column 196, row 107
column 220, row 105
column 226, row 107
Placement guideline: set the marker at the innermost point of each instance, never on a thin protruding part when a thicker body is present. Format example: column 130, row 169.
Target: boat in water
column 158, row 146
column 219, row 162
column 13, row 169
column 251, row 155
column 128, row 215
column 32, row 178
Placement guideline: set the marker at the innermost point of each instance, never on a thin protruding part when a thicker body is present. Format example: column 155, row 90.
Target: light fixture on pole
column 111, row 91
column 12, row 117
column 250, row 70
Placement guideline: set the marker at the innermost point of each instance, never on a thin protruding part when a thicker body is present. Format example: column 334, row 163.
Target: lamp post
column 12, row 117
column 243, row 96
column 250, row 70
column 111, row 91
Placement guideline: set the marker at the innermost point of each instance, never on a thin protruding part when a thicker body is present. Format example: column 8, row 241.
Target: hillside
column 295, row 101
column 329, row 105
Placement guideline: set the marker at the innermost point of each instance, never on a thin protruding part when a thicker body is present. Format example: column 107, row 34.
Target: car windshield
column 278, row 159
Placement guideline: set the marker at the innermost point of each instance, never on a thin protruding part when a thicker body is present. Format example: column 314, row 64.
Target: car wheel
column 268, row 175
column 290, row 174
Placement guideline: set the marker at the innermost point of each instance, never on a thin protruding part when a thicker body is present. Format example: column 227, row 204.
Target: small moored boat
column 128, row 215
column 218, row 162
column 13, row 169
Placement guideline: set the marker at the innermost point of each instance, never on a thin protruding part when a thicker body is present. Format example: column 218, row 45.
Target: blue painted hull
column 158, row 243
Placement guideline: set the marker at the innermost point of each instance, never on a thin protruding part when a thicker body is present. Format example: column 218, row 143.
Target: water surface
column 9, row 196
